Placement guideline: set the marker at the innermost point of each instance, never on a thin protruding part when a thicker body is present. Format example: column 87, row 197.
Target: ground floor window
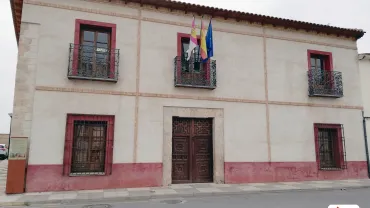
column 330, row 146
column 88, row 145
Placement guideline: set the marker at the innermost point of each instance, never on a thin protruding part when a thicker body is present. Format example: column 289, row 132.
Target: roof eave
column 262, row 19
column 17, row 6
column 14, row 19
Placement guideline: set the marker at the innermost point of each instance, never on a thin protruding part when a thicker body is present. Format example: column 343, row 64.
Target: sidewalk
column 174, row 191
column 3, row 175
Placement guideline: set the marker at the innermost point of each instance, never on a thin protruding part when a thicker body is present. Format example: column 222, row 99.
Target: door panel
column 192, row 150
column 181, row 160
column 202, row 127
column 202, row 161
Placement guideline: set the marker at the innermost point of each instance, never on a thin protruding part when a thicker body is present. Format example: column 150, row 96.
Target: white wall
column 287, row 72
column 240, row 74
column 292, row 132
column 57, row 32
column 364, row 66
column 49, row 123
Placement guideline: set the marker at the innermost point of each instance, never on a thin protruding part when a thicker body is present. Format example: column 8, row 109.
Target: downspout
column 366, row 144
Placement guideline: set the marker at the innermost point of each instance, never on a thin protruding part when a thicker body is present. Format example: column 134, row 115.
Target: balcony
column 323, row 83
column 194, row 73
column 93, row 63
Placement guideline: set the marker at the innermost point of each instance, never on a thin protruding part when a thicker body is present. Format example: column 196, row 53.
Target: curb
column 166, row 196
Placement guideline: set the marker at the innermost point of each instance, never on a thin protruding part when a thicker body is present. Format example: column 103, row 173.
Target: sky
column 341, row 13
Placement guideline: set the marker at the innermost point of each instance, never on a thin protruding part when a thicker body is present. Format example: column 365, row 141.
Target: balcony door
column 320, row 67
column 193, row 71
column 94, row 53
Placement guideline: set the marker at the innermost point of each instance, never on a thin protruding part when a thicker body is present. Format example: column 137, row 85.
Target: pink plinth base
column 42, row 178
column 258, row 172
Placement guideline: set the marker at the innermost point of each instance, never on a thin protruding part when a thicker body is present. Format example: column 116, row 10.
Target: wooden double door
column 192, row 150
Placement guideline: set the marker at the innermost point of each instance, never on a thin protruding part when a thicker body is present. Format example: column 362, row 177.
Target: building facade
column 364, row 66
column 106, row 96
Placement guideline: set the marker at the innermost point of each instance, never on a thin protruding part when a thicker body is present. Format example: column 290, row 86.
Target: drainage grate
column 97, row 206
column 173, row 201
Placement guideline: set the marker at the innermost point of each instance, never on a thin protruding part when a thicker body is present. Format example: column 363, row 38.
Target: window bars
column 89, row 148
column 331, row 149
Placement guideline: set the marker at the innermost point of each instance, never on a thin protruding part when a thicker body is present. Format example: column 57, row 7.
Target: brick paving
column 179, row 191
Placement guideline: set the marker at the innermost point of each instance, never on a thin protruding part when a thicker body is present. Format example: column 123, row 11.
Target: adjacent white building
column 364, row 65
column 106, row 98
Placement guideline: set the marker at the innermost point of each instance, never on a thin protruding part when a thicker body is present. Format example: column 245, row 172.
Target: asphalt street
column 304, row 199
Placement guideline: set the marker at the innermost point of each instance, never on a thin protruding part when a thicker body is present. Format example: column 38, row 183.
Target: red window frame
column 338, row 148
column 328, row 61
column 206, row 65
column 71, row 118
column 77, row 41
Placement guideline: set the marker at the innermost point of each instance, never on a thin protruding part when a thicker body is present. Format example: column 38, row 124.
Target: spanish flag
column 203, row 44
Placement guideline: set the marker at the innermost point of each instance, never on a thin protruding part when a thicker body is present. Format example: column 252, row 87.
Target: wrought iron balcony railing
column 323, row 83
column 93, row 63
column 194, row 73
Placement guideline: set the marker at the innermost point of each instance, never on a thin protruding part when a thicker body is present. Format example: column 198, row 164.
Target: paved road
column 306, row 199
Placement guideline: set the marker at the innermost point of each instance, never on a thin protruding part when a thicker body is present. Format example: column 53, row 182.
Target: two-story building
column 105, row 98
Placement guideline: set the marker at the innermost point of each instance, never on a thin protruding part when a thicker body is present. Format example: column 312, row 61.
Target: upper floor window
column 93, row 55
column 194, row 64
column 322, row 80
column 191, row 71
column 321, row 65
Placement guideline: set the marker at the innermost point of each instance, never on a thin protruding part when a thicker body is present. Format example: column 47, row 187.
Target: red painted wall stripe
column 262, row 172
column 42, row 178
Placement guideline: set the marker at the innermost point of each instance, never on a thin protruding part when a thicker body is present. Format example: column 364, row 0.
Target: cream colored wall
column 364, row 66
column 292, row 132
column 57, row 32
column 287, row 72
column 240, row 61
column 244, row 128
column 240, row 74
column 49, row 124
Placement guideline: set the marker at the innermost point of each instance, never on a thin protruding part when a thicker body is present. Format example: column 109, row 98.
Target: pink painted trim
column 77, row 41
column 41, row 178
column 263, row 172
